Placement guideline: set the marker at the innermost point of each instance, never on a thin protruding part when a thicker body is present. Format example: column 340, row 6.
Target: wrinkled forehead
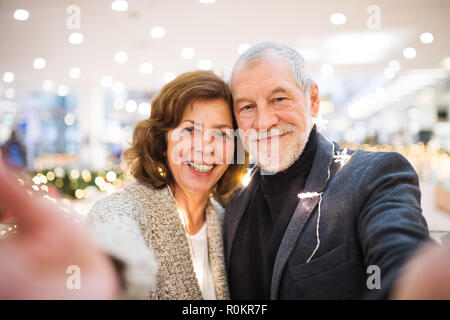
column 269, row 71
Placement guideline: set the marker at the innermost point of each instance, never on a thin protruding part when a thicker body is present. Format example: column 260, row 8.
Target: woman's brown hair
column 146, row 157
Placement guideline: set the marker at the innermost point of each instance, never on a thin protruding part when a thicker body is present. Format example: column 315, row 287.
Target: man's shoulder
column 380, row 160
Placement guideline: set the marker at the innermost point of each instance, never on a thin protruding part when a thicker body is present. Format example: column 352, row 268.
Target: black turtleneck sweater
column 263, row 225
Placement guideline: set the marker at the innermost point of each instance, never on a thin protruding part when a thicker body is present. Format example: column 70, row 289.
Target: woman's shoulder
column 126, row 201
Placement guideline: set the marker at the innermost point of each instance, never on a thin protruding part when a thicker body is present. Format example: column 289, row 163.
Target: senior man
column 316, row 221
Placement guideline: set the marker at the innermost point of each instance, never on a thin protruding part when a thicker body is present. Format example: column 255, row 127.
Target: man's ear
column 315, row 99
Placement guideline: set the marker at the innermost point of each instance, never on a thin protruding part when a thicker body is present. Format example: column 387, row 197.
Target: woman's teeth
column 202, row 168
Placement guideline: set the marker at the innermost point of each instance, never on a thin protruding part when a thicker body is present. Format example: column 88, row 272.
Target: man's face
column 268, row 99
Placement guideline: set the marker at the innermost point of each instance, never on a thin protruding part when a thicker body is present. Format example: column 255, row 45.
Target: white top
column 202, row 267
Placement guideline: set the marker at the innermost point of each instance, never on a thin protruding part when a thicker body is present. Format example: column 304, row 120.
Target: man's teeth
column 200, row 167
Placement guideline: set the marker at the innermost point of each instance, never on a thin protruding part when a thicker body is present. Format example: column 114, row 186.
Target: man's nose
column 266, row 118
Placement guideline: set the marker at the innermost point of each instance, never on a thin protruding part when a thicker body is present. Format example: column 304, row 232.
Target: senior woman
column 168, row 211
column 160, row 236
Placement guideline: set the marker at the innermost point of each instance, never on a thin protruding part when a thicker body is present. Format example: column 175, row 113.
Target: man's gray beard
column 288, row 157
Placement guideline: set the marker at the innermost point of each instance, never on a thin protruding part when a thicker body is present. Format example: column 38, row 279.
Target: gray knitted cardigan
column 139, row 226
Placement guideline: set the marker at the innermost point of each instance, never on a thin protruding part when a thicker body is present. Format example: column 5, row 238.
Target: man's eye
column 279, row 99
column 247, row 107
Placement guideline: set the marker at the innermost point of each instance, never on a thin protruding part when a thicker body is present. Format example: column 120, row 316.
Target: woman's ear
column 314, row 99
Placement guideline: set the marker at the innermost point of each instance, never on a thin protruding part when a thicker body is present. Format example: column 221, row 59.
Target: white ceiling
column 214, row 31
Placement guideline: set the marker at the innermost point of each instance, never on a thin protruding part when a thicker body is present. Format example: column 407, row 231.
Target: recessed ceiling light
column 426, row 37
column 169, row 76
column 39, row 63
column 118, row 87
column 338, row 18
column 69, row 119
column 394, row 65
column 10, row 93
column 409, row 53
column 74, row 73
column 106, row 81
column 130, row 106
column 187, row 53
column 144, row 109
column 76, row 38
column 205, row 64
column 327, row 69
column 243, row 47
column 119, row 104
column 146, row 68
column 120, row 57
column 119, row 5
column 157, row 32
column 47, row 85
column 8, row 77
column 21, row 14
column 62, row 90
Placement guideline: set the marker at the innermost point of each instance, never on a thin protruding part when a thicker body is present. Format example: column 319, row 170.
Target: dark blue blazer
column 370, row 214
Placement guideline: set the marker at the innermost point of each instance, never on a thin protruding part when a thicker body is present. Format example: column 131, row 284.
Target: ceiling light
column 426, row 37
column 146, row 68
column 207, row 1
column 8, row 77
column 62, row 90
column 130, row 106
column 106, row 81
column 39, row 63
column 118, row 87
column 119, row 104
column 119, row 5
column 120, row 57
column 47, row 85
column 157, row 32
column 243, row 47
column 144, row 109
column 394, row 65
column 76, row 38
column 205, row 64
column 21, row 15
column 69, row 119
column 338, row 18
column 10, row 93
column 187, row 53
column 409, row 53
column 74, row 73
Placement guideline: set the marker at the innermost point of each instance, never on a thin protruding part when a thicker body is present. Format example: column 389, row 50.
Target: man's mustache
column 272, row 133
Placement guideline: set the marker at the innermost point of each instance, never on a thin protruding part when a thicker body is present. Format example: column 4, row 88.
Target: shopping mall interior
column 77, row 75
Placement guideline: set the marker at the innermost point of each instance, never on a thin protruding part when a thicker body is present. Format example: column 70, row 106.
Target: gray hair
column 296, row 63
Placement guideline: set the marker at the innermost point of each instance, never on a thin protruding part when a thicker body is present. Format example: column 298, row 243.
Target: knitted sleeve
column 115, row 223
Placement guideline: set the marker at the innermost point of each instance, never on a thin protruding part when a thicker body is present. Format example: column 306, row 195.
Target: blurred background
column 76, row 75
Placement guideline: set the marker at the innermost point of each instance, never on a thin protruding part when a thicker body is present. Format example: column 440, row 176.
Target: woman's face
column 200, row 149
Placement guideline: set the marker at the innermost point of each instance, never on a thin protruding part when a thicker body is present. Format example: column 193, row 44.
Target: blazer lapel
column 315, row 184
column 235, row 211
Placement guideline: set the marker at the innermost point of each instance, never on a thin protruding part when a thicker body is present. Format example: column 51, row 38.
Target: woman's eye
column 188, row 130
